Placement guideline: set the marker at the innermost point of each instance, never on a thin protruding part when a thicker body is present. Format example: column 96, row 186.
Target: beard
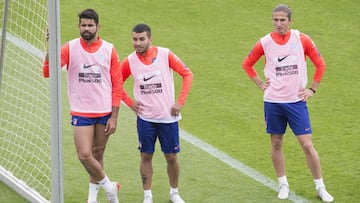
column 88, row 36
column 142, row 49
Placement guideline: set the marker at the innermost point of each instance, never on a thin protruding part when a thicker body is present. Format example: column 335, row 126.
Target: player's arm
column 116, row 79
column 313, row 53
column 126, row 72
column 248, row 65
column 178, row 66
column 65, row 52
column 117, row 91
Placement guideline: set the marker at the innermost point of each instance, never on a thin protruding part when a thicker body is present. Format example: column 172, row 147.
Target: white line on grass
column 24, row 45
column 237, row 164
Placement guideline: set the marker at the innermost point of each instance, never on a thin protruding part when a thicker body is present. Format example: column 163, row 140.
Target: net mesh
column 24, row 96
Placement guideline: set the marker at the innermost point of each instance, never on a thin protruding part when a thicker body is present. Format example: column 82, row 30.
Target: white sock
column 283, row 180
column 173, row 190
column 319, row 183
column 93, row 192
column 106, row 184
column 147, row 193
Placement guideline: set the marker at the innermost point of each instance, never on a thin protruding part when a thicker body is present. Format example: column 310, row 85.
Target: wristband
column 312, row 90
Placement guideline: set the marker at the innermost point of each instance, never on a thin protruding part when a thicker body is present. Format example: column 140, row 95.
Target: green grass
column 224, row 108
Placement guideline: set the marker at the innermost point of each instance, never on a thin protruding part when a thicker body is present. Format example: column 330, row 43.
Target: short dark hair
column 284, row 8
column 139, row 28
column 89, row 14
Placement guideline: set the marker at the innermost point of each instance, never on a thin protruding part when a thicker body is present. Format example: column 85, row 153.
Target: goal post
column 55, row 100
column 30, row 113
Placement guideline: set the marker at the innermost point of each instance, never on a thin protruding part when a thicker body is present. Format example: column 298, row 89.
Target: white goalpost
column 30, row 113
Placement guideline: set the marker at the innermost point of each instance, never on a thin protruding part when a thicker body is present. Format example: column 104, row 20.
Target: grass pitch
column 224, row 107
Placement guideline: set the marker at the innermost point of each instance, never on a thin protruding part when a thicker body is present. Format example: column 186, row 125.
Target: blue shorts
column 277, row 115
column 84, row 121
column 168, row 134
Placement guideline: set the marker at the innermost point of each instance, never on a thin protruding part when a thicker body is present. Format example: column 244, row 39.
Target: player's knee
column 276, row 145
column 84, row 157
column 146, row 157
column 98, row 152
column 171, row 158
column 308, row 147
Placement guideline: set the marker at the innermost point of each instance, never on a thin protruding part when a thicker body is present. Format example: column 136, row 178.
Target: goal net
column 25, row 147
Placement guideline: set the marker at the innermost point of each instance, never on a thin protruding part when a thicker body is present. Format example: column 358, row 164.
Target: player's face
column 141, row 42
column 281, row 22
column 88, row 29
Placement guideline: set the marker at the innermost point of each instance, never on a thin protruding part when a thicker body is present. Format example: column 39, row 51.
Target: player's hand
column 137, row 107
column 263, row 86
column 110, row 127
column 175, row 109
column 305, row 94
column 47, row 35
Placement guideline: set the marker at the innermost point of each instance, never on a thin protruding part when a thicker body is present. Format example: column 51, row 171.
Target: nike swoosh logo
column 281, row 59
column 146, row 79
column 87, row 66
